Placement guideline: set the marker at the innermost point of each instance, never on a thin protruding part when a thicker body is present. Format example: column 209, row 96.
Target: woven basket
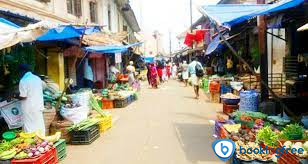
column 62, row 127
column 49, row 116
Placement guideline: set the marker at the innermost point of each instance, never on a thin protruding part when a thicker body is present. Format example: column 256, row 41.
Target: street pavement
column 165, row 126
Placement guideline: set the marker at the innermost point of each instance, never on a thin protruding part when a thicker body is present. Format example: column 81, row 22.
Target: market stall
column 255, row 130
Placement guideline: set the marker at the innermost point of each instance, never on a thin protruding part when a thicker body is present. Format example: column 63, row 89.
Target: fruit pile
column 27, row 145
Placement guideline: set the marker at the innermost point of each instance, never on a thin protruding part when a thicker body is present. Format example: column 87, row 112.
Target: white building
column 115, row 15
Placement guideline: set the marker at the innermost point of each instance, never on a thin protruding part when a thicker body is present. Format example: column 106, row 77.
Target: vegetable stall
column 253, row 130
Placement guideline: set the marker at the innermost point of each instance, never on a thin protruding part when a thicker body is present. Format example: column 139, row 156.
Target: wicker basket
column 49, row 116
column 62, row 127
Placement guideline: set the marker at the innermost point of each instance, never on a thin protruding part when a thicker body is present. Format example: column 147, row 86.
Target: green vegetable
column 293, row 132
column 84, row 124
column 94, row 104
column 267, row 136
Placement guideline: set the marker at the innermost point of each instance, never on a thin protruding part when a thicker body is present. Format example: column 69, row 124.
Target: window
column 124, row 28
column 74, row 7
column 93, row 12
column 109, row 17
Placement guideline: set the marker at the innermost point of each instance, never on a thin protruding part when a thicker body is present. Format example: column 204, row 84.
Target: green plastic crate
column 61, row 149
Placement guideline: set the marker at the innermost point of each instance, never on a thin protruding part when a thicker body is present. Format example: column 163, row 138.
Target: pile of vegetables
column 27, row 145
column 243, row 135
column 51, row 97
column 292, row 132
column 84, row 124
column 268, row 136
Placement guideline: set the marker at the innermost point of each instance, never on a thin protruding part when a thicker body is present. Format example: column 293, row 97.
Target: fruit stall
column 249, row 129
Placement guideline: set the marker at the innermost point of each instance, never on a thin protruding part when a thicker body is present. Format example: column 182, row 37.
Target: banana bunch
column 27, row 135
column 21, row 155
column 9, row 154
column 53, row 138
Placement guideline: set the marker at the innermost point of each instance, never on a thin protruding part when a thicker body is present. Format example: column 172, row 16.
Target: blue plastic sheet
column 111, row 49
column 231, row 14
column 7, row 22
column 60, row 33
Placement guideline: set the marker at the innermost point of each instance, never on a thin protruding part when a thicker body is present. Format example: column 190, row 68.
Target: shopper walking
column 32, row 104
column 185, row 73
column 196, row 71
column 174, row 71
column 153, row 76
column 131, row 73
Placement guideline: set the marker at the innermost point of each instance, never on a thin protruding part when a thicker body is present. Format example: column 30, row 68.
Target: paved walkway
column 165, row 126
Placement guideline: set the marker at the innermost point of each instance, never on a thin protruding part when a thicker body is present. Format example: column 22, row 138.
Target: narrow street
column 165, row 126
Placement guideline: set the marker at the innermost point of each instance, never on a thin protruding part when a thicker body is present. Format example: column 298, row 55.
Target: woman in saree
column 153, row 76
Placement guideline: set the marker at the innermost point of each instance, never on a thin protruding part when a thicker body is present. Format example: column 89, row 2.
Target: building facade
column 114, row 15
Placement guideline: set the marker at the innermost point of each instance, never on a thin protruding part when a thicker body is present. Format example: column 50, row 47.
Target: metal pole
column 191, row 23
column 170, row 50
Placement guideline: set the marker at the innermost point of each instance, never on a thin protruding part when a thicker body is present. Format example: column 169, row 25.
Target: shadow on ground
column 195, row 140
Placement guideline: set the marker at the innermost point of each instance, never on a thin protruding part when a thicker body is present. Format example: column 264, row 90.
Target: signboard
column 118, row 58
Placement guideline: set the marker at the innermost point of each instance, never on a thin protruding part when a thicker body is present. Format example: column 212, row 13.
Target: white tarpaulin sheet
column 13, row 36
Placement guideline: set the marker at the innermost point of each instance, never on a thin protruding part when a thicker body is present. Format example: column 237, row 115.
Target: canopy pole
column 82, row 59
column 263, row 53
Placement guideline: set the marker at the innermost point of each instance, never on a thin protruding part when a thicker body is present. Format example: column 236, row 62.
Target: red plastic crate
column 228, row 109
column 49, row 157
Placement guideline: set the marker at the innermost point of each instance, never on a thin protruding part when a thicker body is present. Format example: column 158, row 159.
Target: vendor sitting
column 32, row 104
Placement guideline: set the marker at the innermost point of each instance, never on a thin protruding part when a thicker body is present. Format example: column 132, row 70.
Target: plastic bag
column 12, row 115
column 75, row 115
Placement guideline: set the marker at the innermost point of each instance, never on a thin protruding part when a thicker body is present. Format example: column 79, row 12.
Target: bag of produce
column 249, row 100
column 75, row 115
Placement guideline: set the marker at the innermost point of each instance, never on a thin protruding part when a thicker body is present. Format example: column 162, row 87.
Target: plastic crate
column 5, row 162
column 105, row 124
column 120, row 103
column 228, row 109
column 49, row 157
column 107, row 104
column 61, row 149
column 85, row 137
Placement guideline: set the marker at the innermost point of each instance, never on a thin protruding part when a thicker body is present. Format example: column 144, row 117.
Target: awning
column 67, row 32
column 231, row 14
column 149, row 59
column 216, row 43
column 60, row 33
column 303, row 28
column 30, row 33
column 7, row 25
column 110, row 49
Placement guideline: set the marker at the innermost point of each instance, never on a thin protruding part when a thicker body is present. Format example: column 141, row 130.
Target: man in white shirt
column 195, row 79
column 32, row 103
column 88, row 74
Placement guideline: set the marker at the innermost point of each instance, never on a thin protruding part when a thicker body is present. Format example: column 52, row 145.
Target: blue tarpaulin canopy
column 111, row 49
column 231, row 14
column 67, row 32
column 60, row 33
column 8, row 23
column 149, row 59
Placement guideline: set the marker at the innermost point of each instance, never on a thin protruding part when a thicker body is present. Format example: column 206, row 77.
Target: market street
column 165, row 126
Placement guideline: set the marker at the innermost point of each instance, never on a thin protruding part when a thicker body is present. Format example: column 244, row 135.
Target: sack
column 75, row 115
column 199, row 70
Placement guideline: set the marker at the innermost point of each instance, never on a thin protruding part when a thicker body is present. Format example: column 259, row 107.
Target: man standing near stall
column 32, row 102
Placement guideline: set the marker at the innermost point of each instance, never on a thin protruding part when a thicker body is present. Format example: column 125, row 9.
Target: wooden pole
column 263, row 53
